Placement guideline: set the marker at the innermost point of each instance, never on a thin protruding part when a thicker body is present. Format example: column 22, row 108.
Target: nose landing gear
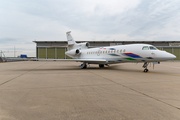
column 145, row 66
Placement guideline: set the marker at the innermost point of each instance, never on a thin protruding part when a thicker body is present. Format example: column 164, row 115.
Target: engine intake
column 77, row 52
column 87, row 44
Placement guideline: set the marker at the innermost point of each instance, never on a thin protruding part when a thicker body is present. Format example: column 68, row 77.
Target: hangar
column 44, row 52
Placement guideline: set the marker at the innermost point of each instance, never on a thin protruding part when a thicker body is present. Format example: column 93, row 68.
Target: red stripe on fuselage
column 130, row 54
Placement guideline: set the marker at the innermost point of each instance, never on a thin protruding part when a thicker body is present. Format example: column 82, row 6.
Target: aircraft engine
column 73, row 52
column 87, row 44
column 84, row 45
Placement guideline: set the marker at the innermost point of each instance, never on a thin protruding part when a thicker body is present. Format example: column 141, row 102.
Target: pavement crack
column 19, row 75
column 10, row 79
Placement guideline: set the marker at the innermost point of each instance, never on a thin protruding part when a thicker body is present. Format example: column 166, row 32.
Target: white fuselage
column 123, row 53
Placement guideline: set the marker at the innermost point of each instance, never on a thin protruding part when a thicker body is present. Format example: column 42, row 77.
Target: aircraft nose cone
column 171, row 56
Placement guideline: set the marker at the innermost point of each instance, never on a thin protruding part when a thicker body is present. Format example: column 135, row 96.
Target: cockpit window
column 152, row 48
column 145, row 48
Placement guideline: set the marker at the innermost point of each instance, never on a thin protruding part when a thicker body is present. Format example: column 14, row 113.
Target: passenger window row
column 107, row 51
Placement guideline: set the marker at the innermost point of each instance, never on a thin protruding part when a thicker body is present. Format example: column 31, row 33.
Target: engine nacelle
column 84, row 45
column 73, row 52
column 87, row 44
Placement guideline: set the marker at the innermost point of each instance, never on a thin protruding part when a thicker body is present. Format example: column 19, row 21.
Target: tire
column 146, row 70
column 84, row 67
column 101, row 65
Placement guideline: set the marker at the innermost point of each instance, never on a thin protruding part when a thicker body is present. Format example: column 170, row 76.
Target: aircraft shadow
column 72, row 68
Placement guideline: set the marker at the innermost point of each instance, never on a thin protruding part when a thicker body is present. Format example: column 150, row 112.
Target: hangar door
column 51, row 53
column 60, row 53
column 41, row 53
column 176, row 52
column 168, row 50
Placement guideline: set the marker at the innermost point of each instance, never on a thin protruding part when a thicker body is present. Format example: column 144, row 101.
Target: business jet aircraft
column 146, row 53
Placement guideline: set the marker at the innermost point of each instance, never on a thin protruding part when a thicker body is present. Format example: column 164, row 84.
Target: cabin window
column 145, row 48
column 152, row 48
column 101, row 52
column 96, row 52
column 106, row 51
column 120, row 51
column 117, row 51
column 109, row 51
column 124, row 51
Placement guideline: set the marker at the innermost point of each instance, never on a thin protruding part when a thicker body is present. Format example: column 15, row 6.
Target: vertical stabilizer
column 71, row 43
column 70, row 39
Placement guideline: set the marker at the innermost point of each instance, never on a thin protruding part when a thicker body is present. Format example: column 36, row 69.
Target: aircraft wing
column 77, row 60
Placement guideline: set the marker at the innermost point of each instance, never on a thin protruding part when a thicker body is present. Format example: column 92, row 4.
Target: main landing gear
column 101, row 65
column 83, row 66
column 145, row 66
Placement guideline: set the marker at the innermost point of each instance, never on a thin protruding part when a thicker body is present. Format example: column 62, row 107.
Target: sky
column 24, row 21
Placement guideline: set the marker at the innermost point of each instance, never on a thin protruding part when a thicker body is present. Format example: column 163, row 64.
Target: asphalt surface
column 34, row 90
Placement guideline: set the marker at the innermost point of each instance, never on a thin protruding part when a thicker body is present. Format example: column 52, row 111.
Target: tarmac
column 36, row 90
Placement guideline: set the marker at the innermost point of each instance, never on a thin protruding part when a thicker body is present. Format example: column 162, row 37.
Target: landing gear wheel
column 145, row 66
column 101, row 65
column 146, row 70
column 85, row 66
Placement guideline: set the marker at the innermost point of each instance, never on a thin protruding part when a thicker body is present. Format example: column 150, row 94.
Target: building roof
column 110, row 41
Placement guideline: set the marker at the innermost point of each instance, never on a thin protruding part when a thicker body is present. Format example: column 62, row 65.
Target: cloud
column 153, row 18
column 7, row 40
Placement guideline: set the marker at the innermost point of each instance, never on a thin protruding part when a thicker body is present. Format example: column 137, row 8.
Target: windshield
column 149, row 48
column 152, row 48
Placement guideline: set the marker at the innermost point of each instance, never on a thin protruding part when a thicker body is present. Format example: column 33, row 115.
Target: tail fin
column 71, row 43
column 70, row 39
